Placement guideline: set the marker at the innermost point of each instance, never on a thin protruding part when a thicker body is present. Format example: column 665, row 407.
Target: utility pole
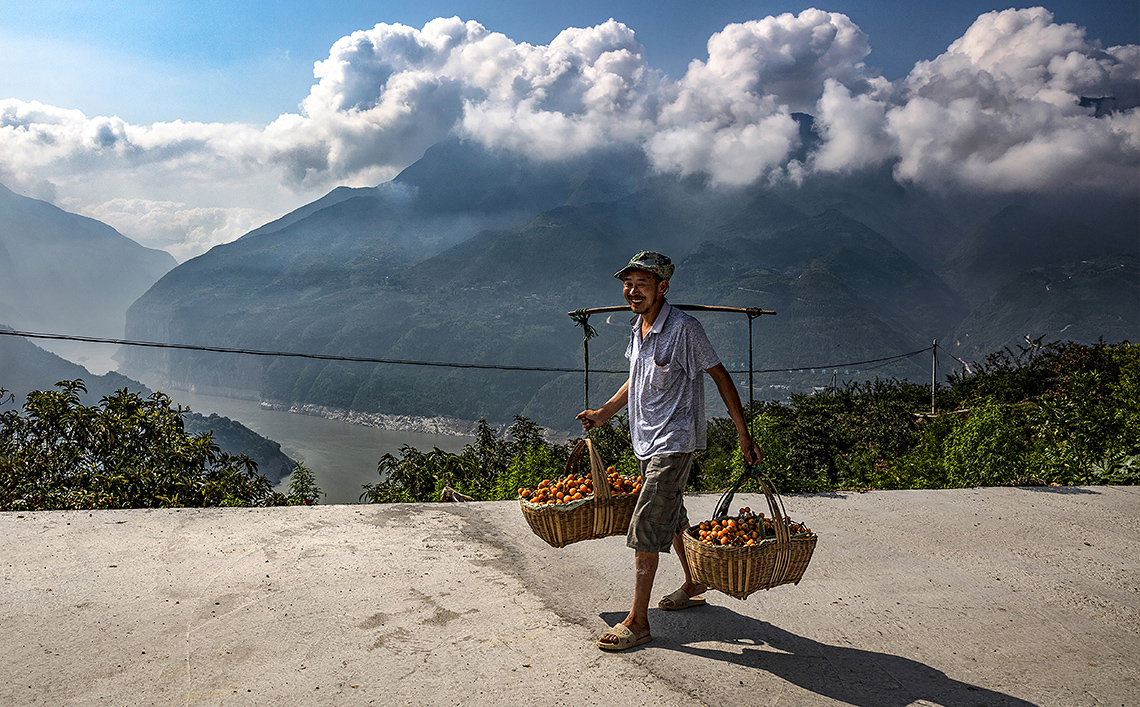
column 933, row 372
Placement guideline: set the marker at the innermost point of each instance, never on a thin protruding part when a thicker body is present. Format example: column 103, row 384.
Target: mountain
column 1016, row 240
column 1082, row 301
column 25, row 367
column 65, row 273
column 354, row 278
column 473, row 256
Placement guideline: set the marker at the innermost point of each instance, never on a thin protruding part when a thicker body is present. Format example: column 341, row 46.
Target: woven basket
column 739, row 571
column 597, row 516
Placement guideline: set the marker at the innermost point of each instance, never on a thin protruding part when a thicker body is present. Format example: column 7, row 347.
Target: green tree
column 303, row 489
column 126, row 452
column 985, row 449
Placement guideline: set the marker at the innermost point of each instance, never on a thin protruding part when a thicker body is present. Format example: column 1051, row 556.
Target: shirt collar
column 658, row 323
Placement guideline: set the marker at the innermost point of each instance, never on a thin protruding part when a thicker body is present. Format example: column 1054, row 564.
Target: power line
column 290, row 354
column 402, row 362
column 887, row 359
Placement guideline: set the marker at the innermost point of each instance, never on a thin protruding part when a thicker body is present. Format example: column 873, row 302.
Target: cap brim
column 628, row 268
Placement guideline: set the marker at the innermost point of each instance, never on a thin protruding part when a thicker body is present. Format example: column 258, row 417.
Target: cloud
column 388, row 93
column 204, row 181
column 1000, row 110
column 731, row 116
column 181, row 230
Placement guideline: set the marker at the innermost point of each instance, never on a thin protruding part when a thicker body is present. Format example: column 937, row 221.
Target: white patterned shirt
column 666, row 384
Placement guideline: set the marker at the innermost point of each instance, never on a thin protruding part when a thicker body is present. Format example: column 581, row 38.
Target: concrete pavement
column 1007, row 596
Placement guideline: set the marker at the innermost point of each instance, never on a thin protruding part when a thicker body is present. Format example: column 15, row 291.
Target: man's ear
column 662, row 287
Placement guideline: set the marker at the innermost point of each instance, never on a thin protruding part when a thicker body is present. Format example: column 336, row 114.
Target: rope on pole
column 582, row 318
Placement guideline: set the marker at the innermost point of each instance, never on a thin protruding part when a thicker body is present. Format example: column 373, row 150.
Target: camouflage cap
column 649, row 261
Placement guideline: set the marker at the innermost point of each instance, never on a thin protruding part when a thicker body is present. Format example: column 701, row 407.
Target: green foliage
column 303, row 489
column 483, row 470
column 1125, row 390
column 1048, row 414
column 126, row 452
column 492, row 468
column 985, row 449
column 526, row 470
column 1062, row 414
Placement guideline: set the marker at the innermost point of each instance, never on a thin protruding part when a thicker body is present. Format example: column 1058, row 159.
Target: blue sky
column 185, row 124
column 228, row 60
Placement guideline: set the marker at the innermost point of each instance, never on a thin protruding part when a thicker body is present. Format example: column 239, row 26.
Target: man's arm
column 593, row 418
column 731, row 400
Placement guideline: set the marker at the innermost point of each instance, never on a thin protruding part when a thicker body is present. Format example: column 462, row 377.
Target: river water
column 342, row 455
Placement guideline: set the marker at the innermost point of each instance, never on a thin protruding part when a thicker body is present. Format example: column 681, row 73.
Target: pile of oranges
column 745, row 530
column 574, row 488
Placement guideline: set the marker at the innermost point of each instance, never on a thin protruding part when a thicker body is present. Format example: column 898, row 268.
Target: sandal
column 624, row 639
column 679, row 600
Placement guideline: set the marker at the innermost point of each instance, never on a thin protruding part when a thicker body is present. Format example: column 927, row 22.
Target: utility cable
column 402, row 362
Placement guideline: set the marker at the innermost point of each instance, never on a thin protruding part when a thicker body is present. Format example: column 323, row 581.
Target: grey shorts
column 660, row 511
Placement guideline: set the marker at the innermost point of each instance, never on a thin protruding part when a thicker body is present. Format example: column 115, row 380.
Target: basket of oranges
column 580, row 505
column 740, row 554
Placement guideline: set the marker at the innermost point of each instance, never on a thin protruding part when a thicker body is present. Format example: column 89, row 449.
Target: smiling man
column 668, row 353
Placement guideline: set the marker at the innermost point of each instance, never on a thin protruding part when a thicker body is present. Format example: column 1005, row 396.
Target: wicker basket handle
column 724, row 504
column 597, row 469
column 775, row 503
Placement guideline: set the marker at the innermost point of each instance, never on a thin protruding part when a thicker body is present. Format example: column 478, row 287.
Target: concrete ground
column 1008, row 596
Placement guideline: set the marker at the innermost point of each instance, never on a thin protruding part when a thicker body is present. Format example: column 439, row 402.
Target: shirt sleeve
column 698, row 349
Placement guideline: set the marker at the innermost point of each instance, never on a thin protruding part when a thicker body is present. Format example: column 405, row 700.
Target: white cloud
column 731, row 116
column 853, row 130
column 182, row 230
column 999, row 110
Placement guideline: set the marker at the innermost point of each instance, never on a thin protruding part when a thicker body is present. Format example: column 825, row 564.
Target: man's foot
column 685, row 597
column 621, row 637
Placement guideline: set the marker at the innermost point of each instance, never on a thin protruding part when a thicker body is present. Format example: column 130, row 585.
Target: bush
column 303, row 489
column 126, row 452
column 985, row 449
column 1054, row 413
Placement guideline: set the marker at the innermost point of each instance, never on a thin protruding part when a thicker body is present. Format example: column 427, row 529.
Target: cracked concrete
column 952, row 598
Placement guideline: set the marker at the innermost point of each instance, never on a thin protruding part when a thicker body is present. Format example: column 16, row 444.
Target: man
column 667, row 352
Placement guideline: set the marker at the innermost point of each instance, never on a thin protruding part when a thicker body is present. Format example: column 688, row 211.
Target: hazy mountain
column 1017, row 239
column 25, row 367
column 65, row 273
column 1083, row 301
column 476, row 257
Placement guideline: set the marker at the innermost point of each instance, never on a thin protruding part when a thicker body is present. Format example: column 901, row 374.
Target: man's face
column 643, row 290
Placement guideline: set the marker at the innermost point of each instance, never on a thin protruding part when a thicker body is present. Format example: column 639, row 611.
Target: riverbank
column 392, row 423
column 342, row 455
column 964, row 597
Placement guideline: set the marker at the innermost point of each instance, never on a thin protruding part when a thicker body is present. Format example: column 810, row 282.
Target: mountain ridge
column 64, row 272
column 495, row 288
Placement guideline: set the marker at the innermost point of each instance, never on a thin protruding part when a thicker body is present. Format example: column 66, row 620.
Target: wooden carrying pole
column 582, row 316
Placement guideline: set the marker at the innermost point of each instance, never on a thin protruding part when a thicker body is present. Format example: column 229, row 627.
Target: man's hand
column 591, row 419
column 751, row 451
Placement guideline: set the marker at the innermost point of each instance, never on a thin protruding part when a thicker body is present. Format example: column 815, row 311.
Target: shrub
column 985, row 449
column 303, row 489
column 126, row 452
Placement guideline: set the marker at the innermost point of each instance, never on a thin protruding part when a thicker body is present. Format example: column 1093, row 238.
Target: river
column 342, row 455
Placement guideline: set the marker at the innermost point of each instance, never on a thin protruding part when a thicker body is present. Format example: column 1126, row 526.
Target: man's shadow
column 849, row 675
